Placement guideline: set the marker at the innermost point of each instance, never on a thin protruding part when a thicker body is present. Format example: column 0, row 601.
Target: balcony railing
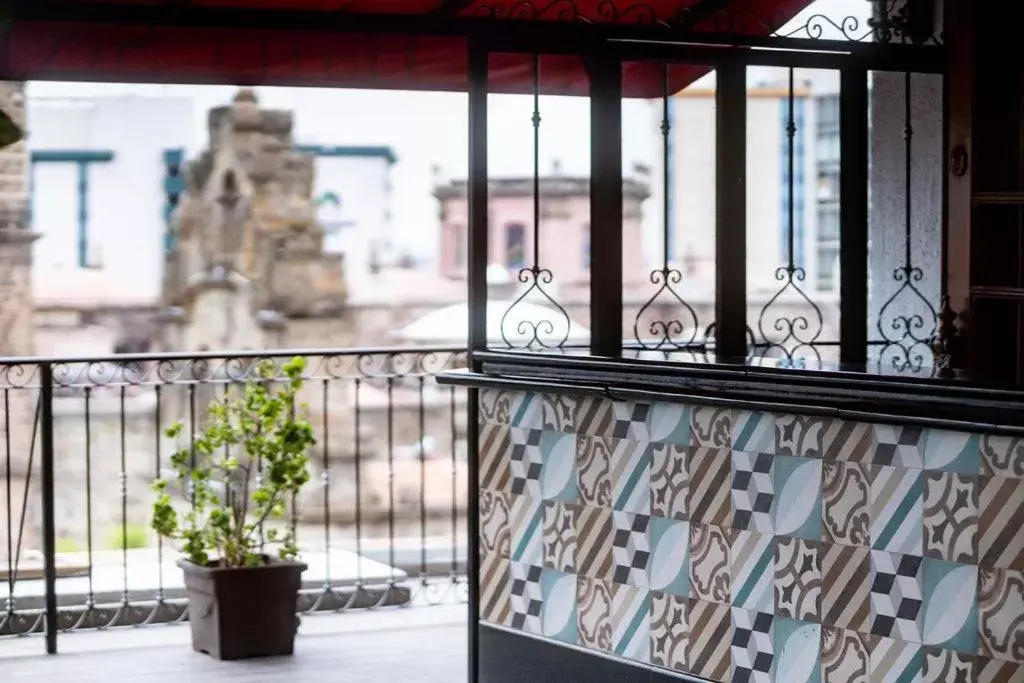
column 81, row 440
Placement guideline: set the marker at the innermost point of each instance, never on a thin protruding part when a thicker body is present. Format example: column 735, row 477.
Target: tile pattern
column 745, row 546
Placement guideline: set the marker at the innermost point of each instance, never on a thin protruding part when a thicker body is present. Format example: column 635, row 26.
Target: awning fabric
column 115, row 51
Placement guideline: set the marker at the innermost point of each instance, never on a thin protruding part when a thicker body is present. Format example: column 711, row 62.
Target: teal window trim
column 83, row 158
column 367, row 151
column 174, row 187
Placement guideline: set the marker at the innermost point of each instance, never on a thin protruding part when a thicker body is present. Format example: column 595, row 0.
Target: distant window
column 515, row 246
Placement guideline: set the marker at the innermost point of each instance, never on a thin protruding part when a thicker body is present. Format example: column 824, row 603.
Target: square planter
column 242, row 613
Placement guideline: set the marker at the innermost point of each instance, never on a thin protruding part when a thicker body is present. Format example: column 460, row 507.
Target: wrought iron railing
column 82, row 439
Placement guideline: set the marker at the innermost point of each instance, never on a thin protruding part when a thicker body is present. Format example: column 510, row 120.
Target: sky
column 428, row 131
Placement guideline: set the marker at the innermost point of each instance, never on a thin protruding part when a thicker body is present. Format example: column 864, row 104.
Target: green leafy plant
column 240, row 473
column 131, row 537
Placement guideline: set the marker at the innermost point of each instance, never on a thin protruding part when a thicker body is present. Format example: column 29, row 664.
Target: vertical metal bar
column 421, row 408
column 477, row 297
column 391, row 474
column 326, row 481
column 536, row 161
column 731, row 210
column 9, row 500
column 123, row 480
column 605, row 205
column 853, row 225
column 49, row 516
column 359, row 484
column 908, row 170
column 158, row 458
column 89, row 548
column 791, row 172
column 453, row 432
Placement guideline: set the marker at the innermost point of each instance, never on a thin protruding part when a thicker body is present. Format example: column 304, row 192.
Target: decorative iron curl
column 667, row 333
column 536, row 277
column 559, row 10
column 908, row 338
column 799, row 335
column 848, row 28
column 638, row 12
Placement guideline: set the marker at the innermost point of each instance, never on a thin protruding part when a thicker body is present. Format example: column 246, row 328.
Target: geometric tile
column 631, row 548
column 526, row 410
column 846, row 503
column 752, row 492
column 559, row 412
column 669, row 480
column 669, row 631
column 710, row 470
column 845, row 656
column 1001, row 518
column 708, row 649
column 951, row 517
column 1002, row 456
column 753, row 432
column 558, row 610
column 526, row 462
column 849, row 441
column 712, row 427
column 631, row 623
column 709, row 563
column 800, row 435
column 897, row 510
column 594, row 416
column 495, row 589
column 630, row 421
column 952, row 451
column 896, row 595
column 494, row 406
column 798, row 497
column 495, row 532
column 896, row 661
column 898, row 446
column 594, row 542
column 594, row 598
column 997, row 671
column 669, row 423
column 950, row 618
column 752, row 559
column 670, row 549
column 846, row 587
column 798, row 579
column 751, row 648
column 594, row 464
column 526, row 598
column 558, row 480
column 560, row 535
column 942, row 666
column 495, row 455
column 526, row 521
column 797, row 651
column 631, row 475
column 1000, row 606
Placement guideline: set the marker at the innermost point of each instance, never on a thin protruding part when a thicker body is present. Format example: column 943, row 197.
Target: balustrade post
column 49, row 522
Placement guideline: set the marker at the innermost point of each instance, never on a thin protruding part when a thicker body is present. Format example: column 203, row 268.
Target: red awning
column 119, row 51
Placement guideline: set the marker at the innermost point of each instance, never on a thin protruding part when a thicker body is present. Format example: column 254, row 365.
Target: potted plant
column 239, row 474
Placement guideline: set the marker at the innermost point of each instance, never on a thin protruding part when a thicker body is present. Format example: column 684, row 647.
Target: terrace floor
column 423, row 644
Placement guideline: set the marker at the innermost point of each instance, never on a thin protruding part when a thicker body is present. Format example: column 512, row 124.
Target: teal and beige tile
column 951, row 517
column 631, row 420
column 594, row 537
column 845, row 656
column 495, row 457
column 594, row 416
column 952, row 451
column 850, row 441
column 526, row 410
column 711, row 427
column 708, row 650
column 947, row 666
column 559, row 412
column 897, row 595
column 560, row 535
column 1000, row 521
column 614, row 619
column 669, row 423
column 997, row 671
column 896, row 661
column 797, row 497
column 631, row 548
column 800, row 435
column 709, row 563
column 752, row 491
column 526, row 462
column 558, row 477
column 797, row 651
column 495, row 528
column 897, row 446
column 495, row 589
column 752, row 561
column 631, row 476
column 752, row 650
column 669, row 570
column 669, row 630
column 1000, row 610
column 846, row 503
column 1002, row 456
column 594, row 598
column 558, row 609
column 753, row 432
column 798, row 579
column 846, row 587
column 950, row 618
column 897, row 510
column 496, row 406
column 594, row 469
column 526, row 520
column 526, row 598
column 710, row 472
column 670, row 480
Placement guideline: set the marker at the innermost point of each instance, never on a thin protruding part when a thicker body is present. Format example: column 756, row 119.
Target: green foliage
column 68, row 545
column 241, row 472
column 132, row 537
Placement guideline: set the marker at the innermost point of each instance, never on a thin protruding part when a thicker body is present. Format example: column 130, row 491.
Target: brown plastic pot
column 246, row 612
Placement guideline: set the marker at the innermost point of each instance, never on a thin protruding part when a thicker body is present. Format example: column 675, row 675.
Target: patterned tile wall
column 740, row 546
